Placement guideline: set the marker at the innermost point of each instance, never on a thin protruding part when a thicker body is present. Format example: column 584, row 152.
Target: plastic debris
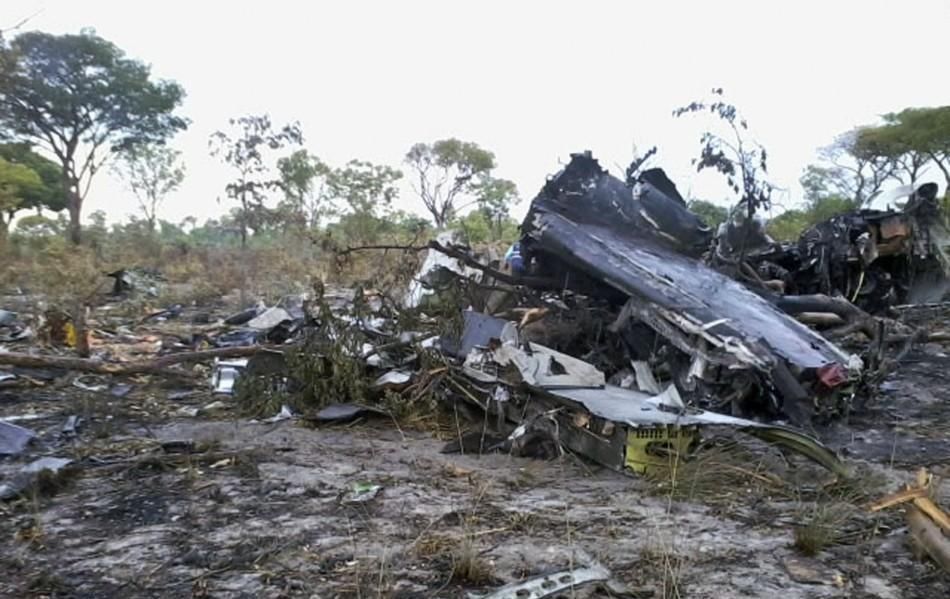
column 362, row 492
column 13, row 438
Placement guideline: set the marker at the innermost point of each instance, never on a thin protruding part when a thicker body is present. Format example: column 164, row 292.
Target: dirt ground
column 259, row 509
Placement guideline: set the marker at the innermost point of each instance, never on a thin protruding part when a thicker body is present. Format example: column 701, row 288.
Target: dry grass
column 665, row 569
column 837, row 517
column 717, row 473
column 821, row 527
column 468, row 565
column 430, row 545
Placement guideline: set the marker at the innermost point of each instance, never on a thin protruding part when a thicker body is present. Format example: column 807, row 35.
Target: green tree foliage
column 246, row 150
column 850, row 168
column 788, row 226
column 47, row 196
column 495, row 199
column 481, row 226
column 37, row 225
column 447, row 172
column 303, row 179
column 367, row 190
column 16, row 182
column 82, row 99
column 824, row 208
column 712, row 214
column 913, row 137
column 742, row 161
column 151, row 172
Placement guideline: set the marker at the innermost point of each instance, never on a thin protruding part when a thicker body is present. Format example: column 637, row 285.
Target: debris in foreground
column 552, row 585
column 13, row 438
column 47, row 472
column 570, row 401
column 929, row 524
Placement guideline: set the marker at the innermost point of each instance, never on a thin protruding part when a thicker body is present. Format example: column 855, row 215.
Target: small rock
column 809, row 571
column 879, row 588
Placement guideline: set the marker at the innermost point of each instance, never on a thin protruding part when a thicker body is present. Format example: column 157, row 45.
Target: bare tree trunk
column 75, row 227
column 79, row 325
column 244, row 256
column 943, row 168
column 100, row 367
column 74, row 202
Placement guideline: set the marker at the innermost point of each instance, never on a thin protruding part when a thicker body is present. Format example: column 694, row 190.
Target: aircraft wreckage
column 618, row 327
column 712, row 335
column 694, row 346
column 614, row 331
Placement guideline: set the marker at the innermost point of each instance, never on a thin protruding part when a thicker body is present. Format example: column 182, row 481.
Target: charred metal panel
column 660, row 276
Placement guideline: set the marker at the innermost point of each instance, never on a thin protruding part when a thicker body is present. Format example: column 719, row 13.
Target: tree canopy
column 49, row 195
column 81, row 99
column 151, row 172
column 16, row 180
column 913, row 138
column 368, row 191
column 446, row 171
column 303, row 179
column 246, row 149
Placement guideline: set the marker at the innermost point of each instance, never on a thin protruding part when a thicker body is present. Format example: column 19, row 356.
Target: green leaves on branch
column 16, row 181
column 913, row 138
column 368, row 191
column 742, row 161
column 151, row 172
column 303, row 179
column 43, row 192
column 247, row 150
column 82, row 99
column 451, row 175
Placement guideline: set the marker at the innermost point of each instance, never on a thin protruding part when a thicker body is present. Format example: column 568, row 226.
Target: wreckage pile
column 625, row 319
column 626, row 330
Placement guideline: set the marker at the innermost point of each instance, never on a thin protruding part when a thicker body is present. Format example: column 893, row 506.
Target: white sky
column 531, row 81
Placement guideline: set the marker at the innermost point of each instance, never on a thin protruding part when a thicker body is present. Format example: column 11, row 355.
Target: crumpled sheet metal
column 419, row 290
column 537, row 368
column 225, row 374
column 478, row 329
column 636, row 409
column 577, row 386
column 549, row 585
column 14, row 438
column 841, row 254
column 627, row 260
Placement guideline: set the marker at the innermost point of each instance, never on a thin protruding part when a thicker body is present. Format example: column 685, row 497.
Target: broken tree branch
column 102, row 367
column 464, row 258
column 363, row 248
column 824, row 319
column 796, row 304
column 926, row 533
column 467, row 260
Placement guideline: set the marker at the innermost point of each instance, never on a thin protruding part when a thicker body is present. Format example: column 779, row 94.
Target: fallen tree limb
column 825, row 319
column 102, row 367
column 898, row 498
column 856, row 318
column 401, row 248
column 927, row 506
column 928, row 536
column 467, row 260
column 464, row 258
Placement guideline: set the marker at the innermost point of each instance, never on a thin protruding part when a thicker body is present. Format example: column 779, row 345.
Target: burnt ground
column 250, row 509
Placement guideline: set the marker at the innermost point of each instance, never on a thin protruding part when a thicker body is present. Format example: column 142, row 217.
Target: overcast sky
column 531, row 81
